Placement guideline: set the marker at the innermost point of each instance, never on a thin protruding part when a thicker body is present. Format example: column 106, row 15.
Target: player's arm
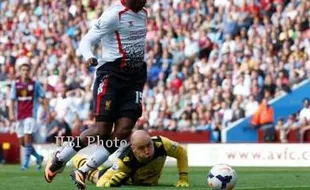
column 114, row 176
column 175, row 150
column 106, row 24
column 40, row 93
column 13, row 98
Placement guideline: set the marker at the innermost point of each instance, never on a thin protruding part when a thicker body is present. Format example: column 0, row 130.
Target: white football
column 222, row 177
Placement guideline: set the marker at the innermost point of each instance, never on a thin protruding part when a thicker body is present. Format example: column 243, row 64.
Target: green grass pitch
column 11, row 178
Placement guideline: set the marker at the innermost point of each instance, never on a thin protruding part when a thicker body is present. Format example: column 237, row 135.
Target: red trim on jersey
column 122, row 12
column 102, row 93
column 121, row 50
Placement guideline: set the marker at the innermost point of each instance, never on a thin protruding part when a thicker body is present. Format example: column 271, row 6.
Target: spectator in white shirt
column 251, row 106
column 304, row 115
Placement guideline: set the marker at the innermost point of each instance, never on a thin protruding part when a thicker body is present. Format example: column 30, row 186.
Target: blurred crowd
column 210, row 62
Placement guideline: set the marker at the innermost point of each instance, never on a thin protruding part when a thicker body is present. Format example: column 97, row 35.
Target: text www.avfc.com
column 269, row 155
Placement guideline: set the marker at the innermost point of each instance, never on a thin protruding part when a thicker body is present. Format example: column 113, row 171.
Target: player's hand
column 91, row 62
column 117, row 179
column 114, row 181
column 182, row 183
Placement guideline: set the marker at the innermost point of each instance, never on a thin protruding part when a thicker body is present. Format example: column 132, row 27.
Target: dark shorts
column 118, row 94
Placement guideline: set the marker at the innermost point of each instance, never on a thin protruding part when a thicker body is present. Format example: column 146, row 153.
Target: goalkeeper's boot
column 53, row 167
column 79, row 179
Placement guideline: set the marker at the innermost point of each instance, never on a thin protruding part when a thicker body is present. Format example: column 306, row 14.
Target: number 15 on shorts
column 139, row 95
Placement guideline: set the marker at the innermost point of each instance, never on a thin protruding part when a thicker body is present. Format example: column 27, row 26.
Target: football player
column 25, row 96
column 140, row 163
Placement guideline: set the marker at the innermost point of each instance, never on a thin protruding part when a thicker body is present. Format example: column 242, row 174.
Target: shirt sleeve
column 106, row 24
column 39, row 91
column 13, row 94
column 175, row 150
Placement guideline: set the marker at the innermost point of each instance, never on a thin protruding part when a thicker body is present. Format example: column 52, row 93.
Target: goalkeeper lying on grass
column 140, row 163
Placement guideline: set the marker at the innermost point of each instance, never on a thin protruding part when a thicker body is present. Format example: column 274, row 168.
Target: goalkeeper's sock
column 78, row 161
column 98, row 158
column 92, row 176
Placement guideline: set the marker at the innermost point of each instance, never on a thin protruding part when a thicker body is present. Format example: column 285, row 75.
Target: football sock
column 98, row 158
column 34, row 153
column 27, row 153
column 70, row 150
column 113, row 146
column 66, row 154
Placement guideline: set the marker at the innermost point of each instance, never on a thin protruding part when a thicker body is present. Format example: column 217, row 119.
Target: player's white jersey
column 122, row 33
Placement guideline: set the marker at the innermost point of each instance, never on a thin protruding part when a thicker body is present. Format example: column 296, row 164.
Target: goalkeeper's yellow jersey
column 127, row 169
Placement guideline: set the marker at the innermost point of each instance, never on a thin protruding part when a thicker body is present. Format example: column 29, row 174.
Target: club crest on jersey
column 174, row 146
column 126, row 159
column 158, row 144
column 24, row 93
column 30, row 87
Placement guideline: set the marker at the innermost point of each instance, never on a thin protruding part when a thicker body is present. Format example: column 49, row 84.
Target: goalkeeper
column 140, row 163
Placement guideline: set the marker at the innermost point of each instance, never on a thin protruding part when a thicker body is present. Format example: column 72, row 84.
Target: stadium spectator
column 283, row 130
column 53, row 128
column 304, row 119
column 304, row 115
column 263, row 119
column 293, row 124
column 4, row 126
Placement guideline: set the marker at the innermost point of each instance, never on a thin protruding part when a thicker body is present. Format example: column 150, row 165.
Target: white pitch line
column 274, row 187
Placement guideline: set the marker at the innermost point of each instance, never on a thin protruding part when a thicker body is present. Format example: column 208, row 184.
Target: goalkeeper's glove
column 183, row 180
column 115, row 180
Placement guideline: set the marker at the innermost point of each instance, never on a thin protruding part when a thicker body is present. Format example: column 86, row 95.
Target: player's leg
column 101, row 128
column 22, row 145
column 20, row 135
column 122, row 130
column 29, row 129
column 93, row 175
column 129, row 111
column 60, row 158
column 107, row 105
column 99, row 156
column 105, row 97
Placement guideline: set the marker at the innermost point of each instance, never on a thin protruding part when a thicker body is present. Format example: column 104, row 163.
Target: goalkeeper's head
column 142, row 146
column 135, row 5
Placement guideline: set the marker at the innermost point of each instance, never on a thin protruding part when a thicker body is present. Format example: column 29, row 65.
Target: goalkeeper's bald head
column 138, row 136
column 142, row 145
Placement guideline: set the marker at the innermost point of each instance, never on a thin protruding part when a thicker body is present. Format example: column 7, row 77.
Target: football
column 222, row 177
